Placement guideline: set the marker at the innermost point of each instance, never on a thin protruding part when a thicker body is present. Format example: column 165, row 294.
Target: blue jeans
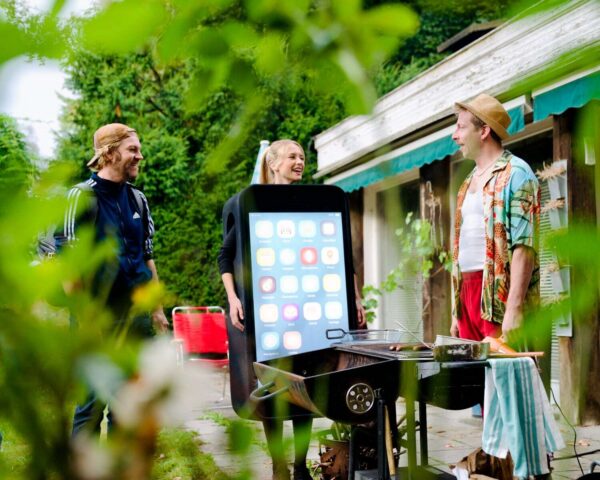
column 89, row 415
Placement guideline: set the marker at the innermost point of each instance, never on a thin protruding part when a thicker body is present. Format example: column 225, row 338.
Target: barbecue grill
column 335, row 383
column 339, row 383
column 344, row 382
column 293, row 275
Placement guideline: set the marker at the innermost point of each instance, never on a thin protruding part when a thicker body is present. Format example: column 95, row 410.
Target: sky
column 30, row 92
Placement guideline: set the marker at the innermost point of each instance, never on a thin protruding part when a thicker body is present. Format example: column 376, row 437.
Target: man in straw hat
column 495, row 272
column 119, row 211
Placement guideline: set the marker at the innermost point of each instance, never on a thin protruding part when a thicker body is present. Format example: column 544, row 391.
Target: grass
column 242, row 431
column 178, row 456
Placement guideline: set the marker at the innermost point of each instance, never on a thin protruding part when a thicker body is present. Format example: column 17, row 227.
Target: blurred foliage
column 178, row 454
column 35, row 35
column 523, row 8
column 38, row 352
column 564, row 64
column 202, row 82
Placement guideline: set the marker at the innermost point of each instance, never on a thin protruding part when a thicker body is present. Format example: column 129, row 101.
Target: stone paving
column 451, row 436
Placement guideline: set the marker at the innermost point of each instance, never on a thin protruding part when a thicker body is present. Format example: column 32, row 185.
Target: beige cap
column 108, row 136
column 490, row 111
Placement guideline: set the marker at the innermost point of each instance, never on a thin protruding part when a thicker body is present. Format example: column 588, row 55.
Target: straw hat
column 106, row 137
column 490, row 111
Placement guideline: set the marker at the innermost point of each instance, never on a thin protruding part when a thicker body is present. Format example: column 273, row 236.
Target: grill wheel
column 360, row 398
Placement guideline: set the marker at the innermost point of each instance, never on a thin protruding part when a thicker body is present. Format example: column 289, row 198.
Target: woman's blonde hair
column 270, row 158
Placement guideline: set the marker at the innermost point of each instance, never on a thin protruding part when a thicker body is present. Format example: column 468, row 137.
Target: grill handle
column 260, row 394
column 335, row 333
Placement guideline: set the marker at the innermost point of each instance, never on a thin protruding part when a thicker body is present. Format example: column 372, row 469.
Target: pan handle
column 260, row 394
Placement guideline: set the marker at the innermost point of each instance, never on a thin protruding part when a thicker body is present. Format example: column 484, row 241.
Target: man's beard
column 125, row 167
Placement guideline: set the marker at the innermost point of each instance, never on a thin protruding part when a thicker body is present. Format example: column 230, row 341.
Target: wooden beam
column 579, row 355
column 592, row 410
column 468, row 35
column 434, row 185
column 355, row 199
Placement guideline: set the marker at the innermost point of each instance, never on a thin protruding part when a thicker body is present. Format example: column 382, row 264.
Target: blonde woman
column 281, row 164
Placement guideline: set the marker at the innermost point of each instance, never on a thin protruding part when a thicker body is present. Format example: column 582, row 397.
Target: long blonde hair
column 270, row 158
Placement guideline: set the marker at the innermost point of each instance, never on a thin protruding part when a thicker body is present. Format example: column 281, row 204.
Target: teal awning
column 574, row 94
column 435, row 150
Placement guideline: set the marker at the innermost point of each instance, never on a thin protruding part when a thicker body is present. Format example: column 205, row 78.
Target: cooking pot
column 461, row 352
column 452, row 349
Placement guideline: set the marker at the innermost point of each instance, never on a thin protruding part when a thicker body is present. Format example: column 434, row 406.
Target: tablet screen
column 298, row 281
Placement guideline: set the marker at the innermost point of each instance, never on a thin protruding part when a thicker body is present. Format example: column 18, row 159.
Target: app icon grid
column 298, row 279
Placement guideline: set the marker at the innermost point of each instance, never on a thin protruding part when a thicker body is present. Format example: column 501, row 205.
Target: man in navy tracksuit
column 118, row 211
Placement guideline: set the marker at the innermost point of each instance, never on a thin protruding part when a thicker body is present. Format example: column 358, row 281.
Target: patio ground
column 451, row 434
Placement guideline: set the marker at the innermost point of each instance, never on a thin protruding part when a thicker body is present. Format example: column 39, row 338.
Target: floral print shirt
column 511, row 209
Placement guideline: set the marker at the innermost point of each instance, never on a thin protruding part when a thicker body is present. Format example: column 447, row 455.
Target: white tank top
column 471, row 244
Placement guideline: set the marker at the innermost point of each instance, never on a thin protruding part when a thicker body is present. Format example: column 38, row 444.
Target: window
column 386, row 208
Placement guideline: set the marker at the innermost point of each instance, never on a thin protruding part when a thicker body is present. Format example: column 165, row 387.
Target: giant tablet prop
column 293, row 274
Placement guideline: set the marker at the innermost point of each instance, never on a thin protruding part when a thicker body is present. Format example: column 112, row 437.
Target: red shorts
column 470, row 324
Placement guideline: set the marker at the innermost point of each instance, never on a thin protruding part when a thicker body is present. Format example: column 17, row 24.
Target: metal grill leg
column 382, row 466
column 423, row 434
column 411, row 437
column 352, row 452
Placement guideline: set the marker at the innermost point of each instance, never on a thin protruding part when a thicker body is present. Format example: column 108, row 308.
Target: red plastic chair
column 204, row 335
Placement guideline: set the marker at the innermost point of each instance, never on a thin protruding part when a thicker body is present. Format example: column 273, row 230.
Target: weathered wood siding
column 492, row 64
